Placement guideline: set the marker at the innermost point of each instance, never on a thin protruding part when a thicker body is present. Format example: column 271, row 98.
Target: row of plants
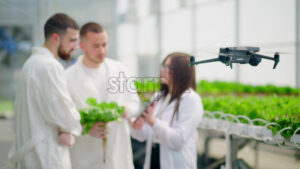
column 271, row 103
column 222, row 87
column 217, row 87
column 146, row 86
column 283, row 110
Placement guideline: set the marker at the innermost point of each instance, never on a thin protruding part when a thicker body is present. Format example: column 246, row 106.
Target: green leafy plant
column 100, row 112
column 284, row 111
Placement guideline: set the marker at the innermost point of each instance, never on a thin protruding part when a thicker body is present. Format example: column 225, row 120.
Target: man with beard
column 95, row 75
column 46, row 117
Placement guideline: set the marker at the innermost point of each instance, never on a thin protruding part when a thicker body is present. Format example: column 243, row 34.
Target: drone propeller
column 226, row 59
column 276, row 59
column 192, row 60
column 230, row 61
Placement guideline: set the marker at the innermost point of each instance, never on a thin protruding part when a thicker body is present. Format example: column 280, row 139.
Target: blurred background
column 142, row 32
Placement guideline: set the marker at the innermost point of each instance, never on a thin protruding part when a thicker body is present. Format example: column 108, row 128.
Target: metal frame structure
column 236, row 134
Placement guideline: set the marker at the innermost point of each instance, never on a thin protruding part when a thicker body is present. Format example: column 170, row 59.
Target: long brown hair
column 183, row 78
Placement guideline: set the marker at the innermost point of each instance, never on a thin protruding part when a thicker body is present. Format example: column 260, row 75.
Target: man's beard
column 63, row 54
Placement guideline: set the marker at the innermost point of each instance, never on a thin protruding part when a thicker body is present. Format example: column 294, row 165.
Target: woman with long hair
column 170, row 124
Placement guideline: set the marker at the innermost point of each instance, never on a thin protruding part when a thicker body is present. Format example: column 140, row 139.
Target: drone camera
column 254, row 61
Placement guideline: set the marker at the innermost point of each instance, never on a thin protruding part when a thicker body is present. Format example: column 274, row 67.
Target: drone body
column 241, row 55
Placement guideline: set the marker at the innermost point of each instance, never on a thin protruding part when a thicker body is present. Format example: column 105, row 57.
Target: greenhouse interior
column 245, row 90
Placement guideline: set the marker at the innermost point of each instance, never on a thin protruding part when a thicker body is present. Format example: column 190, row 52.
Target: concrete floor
column 7, row 137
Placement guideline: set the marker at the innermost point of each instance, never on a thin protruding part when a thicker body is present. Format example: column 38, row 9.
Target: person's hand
column 149, row 116
column 137, row 123
column 66, row 139
column 98, row 130
column 125, row 114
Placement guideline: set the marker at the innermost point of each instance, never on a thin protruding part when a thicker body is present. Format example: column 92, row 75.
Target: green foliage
column 99, row 112
column 220, row 87
column 271, row 103
column 6, row 106
column 147, row 86
column 284, row 111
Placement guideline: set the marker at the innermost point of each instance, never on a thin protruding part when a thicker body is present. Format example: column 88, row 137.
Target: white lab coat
column 43, row 106
column 178, row 141
column 84, row 82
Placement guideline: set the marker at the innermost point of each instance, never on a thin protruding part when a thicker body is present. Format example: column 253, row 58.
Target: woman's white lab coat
column 178, row 141
column 43, row 106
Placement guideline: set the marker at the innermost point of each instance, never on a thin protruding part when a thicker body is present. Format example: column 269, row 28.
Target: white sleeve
column 132, row 101
column 190, row 114
column 59, row 109
column 132, row 105
column 140, row 135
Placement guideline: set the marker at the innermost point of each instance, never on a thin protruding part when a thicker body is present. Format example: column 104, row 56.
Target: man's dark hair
column 90, row 27
column 59, row 23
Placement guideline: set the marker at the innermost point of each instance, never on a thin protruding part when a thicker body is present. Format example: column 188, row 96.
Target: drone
column 242, row 55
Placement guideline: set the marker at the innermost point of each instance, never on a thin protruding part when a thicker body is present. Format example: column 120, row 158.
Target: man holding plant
column 90, row 77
